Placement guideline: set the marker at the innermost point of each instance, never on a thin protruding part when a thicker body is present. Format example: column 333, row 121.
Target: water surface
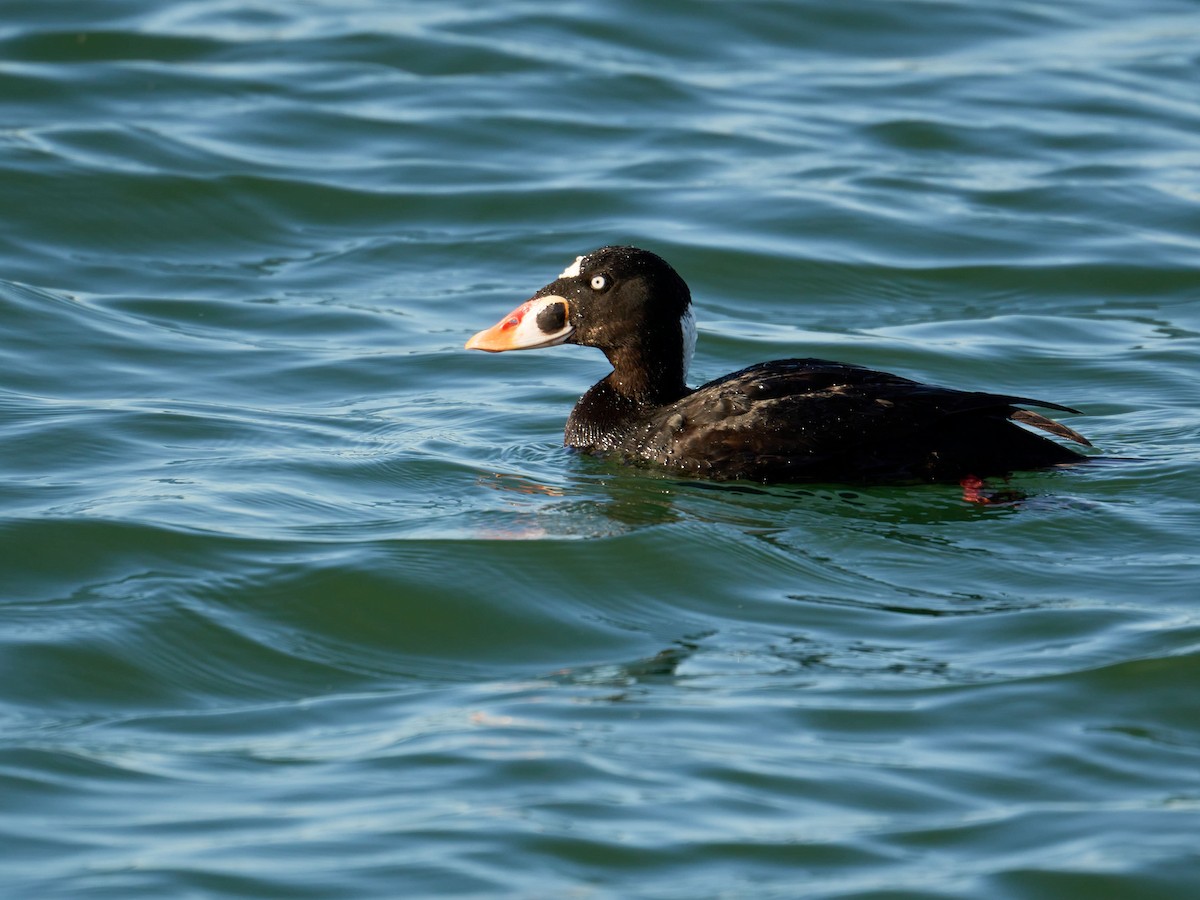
column 300, row 599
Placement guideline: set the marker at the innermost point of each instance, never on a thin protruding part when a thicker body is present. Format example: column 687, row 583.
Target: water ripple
column 301, row 599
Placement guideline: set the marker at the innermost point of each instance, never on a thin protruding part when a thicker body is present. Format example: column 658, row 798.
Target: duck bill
column 540, row 322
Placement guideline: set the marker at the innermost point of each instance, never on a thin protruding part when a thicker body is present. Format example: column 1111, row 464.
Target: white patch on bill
column 572, row 271
column 688, row 325
column 528, row 334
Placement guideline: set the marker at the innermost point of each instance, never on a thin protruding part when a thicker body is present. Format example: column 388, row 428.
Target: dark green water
column 299, row 599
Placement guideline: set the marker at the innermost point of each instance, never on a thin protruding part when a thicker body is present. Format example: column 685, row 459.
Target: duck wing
column 812, row 419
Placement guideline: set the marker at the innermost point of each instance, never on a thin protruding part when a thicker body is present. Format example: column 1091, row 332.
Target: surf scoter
column 787, row 420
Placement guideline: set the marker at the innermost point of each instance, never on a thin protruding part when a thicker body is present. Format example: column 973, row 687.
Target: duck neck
column 646, row 378
column 615, row 405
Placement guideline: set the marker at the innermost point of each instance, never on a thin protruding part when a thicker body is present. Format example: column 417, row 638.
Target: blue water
column 300, row 599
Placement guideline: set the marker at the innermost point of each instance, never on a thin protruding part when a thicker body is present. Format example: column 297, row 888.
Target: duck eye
column 599, row 282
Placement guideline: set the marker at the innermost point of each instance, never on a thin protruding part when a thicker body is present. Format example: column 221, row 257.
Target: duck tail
column 1036, row 420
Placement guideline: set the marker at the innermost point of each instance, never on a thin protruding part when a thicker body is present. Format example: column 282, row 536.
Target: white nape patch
column 688, row 325
column 572, row 271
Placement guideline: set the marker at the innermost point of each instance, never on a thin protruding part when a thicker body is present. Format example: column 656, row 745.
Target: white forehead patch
column 688, row 325
column 572, row 271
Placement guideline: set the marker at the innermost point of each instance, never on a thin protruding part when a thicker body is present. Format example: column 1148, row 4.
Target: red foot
column 975, row 491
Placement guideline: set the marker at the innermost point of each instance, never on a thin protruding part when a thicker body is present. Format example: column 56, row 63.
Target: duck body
column 816, row 420
column 787, row 420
